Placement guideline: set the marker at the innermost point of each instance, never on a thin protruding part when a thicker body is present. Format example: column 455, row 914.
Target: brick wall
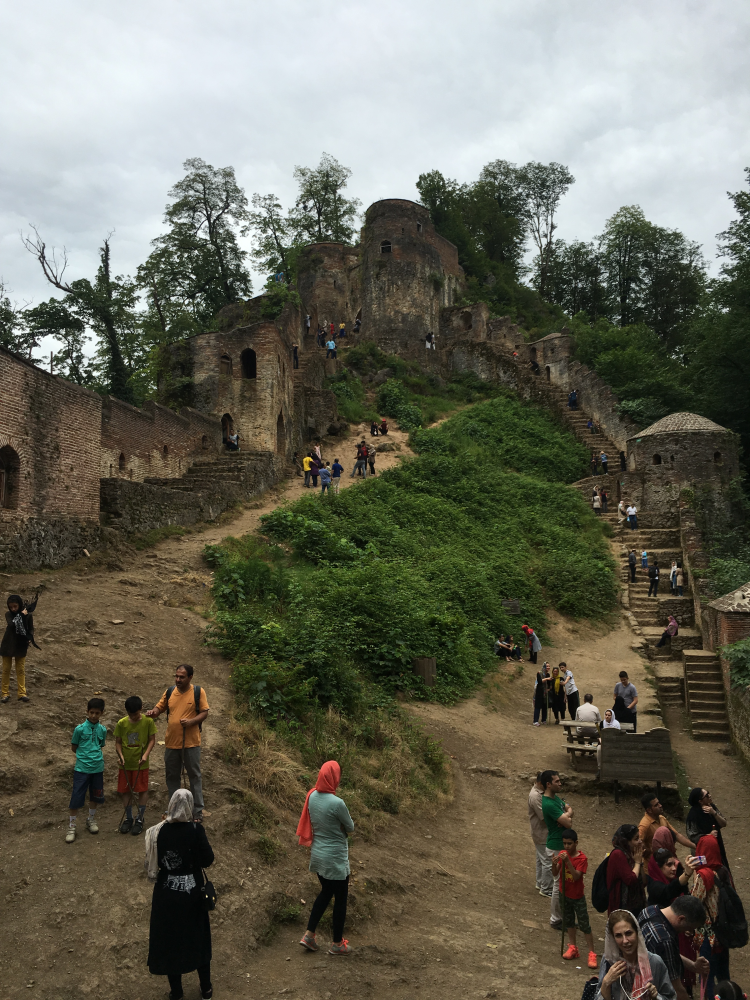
column 155, row 441
column 329, row 285
column 54, row 427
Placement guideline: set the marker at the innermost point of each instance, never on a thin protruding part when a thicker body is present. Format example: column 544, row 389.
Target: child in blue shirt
column 336, row 469
column 87, row 742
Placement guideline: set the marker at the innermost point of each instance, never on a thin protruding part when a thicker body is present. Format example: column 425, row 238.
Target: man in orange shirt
column 185, row 713
column 652, row 820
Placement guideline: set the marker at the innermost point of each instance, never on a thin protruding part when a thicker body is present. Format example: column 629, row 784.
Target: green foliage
column 271, row 851
column 350, row 397
column 393, row 400
column 738, row 655
column 418, row 561
column 512, row 435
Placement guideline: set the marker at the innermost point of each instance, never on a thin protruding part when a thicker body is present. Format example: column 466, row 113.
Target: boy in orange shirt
column 186, row 707
column 571, row 865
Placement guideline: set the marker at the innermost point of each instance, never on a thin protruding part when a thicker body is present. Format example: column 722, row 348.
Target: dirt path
column 444, row 904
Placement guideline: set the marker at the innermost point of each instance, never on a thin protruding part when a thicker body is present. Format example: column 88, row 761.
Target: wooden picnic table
column 585, row 744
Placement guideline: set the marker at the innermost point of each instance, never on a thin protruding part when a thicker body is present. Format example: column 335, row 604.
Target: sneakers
column 5, row 700
column 342, row 948
column 24, row 697
column 593, row 962
column 70, row 836
column 571, row 952
column 207, row 993
column 137, row 827
column 92, row 826
column 536, row 723
column 127, row 825
column 308, row 941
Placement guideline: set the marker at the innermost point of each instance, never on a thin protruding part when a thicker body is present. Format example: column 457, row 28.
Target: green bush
column 393, row 400
column 738, row 655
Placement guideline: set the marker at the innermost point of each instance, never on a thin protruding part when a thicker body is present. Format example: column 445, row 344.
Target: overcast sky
column 646, row 101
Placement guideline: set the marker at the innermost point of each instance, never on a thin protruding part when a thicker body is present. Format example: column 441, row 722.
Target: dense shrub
column 416, row 562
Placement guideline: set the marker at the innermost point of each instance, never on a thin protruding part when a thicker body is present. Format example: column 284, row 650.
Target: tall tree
column 197, row 266
column 542, row 186
column 275, row 234
column 322, row 212
column 106, row 304
column 57, row 320
column 15, row 334
column 575, row 279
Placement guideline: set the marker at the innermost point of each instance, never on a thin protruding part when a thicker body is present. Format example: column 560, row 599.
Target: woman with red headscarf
column 706, row 888
column 323, row 826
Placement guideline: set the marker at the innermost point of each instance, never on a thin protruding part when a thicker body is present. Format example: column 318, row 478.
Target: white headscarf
column 614, row 724
column 179, row 810
column 642, row 967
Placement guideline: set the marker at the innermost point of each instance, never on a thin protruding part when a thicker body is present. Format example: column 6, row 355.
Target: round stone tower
column 685, row 448
column 409, row 273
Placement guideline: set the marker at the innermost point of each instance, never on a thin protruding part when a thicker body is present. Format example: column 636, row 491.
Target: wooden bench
column 591, row 731
column 636, row 757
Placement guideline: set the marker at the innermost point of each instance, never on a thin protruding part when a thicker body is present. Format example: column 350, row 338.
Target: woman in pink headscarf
column 323, row 826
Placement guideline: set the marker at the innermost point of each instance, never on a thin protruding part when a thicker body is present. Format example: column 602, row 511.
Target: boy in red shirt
column 571, row 865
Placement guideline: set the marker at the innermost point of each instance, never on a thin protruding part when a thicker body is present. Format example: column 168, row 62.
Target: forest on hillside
column 645, row 313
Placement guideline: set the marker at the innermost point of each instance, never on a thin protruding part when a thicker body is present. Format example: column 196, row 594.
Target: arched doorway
column 10, row 467
column 280, row 435
column 249, row 362
column 546, row 368
column 227, row 428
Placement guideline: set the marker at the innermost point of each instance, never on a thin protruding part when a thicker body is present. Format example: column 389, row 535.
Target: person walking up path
column 186, row 706
column 325, row 479
column 360, row 463
column 179, row 938
column 19, row 632
column 632, row 561
column 336, row 469
column 323, row 826
column 535, row 646
column 632, row 513
column 87, row 744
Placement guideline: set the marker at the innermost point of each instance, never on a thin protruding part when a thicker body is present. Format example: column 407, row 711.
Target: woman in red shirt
column 625, row 871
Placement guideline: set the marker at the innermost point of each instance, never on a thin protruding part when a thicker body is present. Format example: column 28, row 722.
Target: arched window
column 225, row 365
column 546, row 368
column 249, row 362
column 385, row 246
column 280, row 435
column 718, row 460
column 10, row 467
column 656, row 460
column 121, row 462
column 165, row 452
column 204, row 441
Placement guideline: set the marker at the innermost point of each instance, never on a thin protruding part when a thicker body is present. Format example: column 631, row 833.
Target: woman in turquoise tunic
column 324, row 825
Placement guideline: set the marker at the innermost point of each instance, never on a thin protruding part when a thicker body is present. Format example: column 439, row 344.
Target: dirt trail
column 444, row 903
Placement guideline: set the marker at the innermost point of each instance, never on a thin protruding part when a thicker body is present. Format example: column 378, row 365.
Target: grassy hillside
column 323, row 617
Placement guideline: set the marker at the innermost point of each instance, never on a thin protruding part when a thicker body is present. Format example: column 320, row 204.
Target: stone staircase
column 705, row 696
column 235, row 476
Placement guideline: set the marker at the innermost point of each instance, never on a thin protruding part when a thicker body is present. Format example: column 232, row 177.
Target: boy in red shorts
column 571, row 865
column 135, row 736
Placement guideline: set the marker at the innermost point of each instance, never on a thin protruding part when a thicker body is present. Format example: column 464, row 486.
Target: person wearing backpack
column 725, row 926
column 186, row 707
column 661, row 929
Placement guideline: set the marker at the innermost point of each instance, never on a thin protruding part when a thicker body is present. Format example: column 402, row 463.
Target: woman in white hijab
column 177, row 851
column 628, row 970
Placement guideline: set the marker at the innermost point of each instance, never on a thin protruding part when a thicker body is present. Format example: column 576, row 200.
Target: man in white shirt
column 539, row 836
column 588, row 712
column 571, row 691
column 632, row 513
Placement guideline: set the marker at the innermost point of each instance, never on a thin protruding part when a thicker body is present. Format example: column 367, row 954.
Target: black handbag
column 208, row 894
column 590, row 989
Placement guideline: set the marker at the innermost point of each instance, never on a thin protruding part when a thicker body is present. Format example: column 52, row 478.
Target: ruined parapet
column 329, row 284
column 409, row 272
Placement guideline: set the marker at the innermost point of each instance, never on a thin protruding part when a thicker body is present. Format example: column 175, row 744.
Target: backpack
column 730, row 925
column 599, row 890
column 652, row 573
column 197, row 693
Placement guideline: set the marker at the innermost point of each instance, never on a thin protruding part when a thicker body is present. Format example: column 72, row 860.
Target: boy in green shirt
column 135, row 735
column 86, row 743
